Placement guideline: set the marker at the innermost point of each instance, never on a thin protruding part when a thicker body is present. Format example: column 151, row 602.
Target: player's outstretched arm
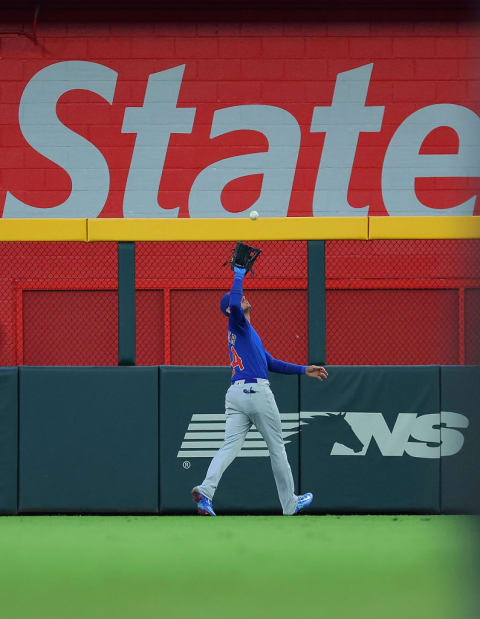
column 236, row 293
column 316, row 371
column 283, row 367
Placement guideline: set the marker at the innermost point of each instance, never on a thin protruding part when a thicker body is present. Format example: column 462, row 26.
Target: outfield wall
column 136, row 439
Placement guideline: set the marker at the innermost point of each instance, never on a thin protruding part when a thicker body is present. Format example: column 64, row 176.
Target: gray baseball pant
column 245, row 405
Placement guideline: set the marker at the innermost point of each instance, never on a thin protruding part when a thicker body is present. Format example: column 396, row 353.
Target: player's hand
column 316, row 371
column 239, row 271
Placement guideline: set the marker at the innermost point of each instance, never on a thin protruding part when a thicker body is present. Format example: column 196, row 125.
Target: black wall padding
column 88, row 439
column 8, row 440
column 460, row 417
column 391, row 414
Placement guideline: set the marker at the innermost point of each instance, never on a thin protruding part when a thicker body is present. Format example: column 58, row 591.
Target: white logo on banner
column 343, row 121
column 351, row 433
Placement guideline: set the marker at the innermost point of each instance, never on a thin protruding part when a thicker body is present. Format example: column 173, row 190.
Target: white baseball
column 253, row 215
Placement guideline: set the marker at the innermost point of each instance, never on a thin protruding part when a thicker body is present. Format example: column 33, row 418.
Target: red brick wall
column 287, row 59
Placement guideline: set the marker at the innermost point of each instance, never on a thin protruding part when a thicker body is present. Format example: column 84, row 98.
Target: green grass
column 101, row 567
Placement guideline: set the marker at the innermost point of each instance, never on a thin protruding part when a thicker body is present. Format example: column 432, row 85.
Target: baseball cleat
column 204, row 504
column 303, row 501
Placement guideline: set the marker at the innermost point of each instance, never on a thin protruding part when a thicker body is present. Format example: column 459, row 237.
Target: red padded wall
column 472, row 326
column 199, row 330
column 392, row 327
column 70, row 327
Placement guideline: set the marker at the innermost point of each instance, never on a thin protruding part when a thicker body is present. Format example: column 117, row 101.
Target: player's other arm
column 283, row 367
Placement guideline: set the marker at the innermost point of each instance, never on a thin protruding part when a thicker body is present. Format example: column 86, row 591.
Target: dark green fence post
column 126, row 304
column 317, row 349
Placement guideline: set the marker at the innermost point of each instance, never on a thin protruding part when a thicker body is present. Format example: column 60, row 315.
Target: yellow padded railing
column 424, row 228
column 232, row 229
column 265, row 229
column 43, row 230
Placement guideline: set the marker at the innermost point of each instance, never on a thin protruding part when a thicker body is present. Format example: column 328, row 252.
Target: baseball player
column 249, row 400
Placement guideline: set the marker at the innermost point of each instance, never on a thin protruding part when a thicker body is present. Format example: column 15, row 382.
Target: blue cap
column 224, row 303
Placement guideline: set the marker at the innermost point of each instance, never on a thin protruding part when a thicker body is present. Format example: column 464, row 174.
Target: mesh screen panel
column 191, row 278
column 401, row 327
column 472, row 326
column 150, row 327
column 70, row 327
column 402, row 302
column 199, row 330
column 387, row 302
column 58, row 303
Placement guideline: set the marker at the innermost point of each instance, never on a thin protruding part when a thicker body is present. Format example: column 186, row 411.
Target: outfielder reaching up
column 249, row 400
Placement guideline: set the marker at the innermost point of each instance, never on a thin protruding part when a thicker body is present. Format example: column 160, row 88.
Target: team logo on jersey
column 340, row 434
column 236, row 360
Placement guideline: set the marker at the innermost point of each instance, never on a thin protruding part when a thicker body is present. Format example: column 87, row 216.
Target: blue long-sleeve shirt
column 248, row 357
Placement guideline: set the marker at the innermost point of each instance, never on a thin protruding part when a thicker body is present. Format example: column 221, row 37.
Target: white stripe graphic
column 221, row 435
column 221, row 426
column 207, row 426
column 208, row 417
column 206, row 432
column 221, row 417
column 209, row 454
column 218, row 444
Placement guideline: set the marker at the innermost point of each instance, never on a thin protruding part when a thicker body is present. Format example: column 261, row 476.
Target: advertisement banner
column 191, row 119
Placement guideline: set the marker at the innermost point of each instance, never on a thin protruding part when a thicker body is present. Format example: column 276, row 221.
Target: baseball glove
column 243, row 256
